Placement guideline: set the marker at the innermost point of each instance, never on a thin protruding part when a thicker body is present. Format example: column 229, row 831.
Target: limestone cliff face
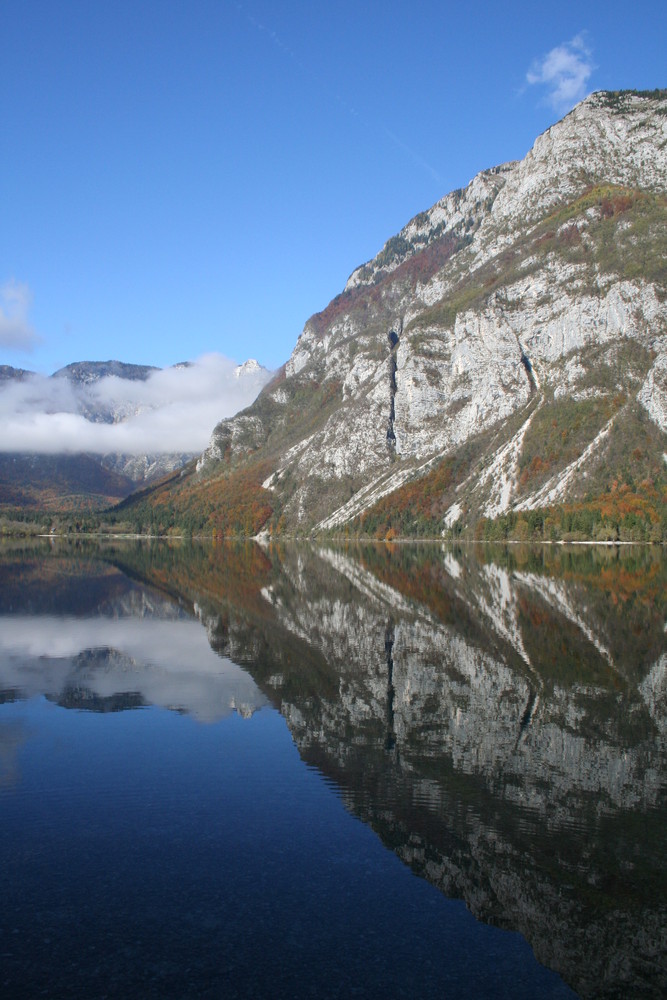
column 540, row 286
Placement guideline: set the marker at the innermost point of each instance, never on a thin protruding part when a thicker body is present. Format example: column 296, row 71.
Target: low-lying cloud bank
column 172, row 410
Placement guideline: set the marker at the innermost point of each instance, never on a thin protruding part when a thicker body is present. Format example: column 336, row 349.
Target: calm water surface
column 308, row 772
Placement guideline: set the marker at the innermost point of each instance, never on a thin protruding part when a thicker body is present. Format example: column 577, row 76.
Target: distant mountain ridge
column 91, row 371
column 502, row 359
column 73, row 481
column 8, row 374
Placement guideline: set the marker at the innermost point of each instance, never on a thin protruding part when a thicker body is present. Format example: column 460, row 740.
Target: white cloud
column 15, row 330
column 564, row 72
column 174, row 410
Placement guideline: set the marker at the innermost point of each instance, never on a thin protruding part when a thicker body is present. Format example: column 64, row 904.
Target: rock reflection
column 498, row 718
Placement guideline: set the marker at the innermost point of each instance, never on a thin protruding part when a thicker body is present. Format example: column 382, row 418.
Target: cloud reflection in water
column 167, row 663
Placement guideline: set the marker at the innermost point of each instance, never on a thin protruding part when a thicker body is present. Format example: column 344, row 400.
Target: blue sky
column 180, row 178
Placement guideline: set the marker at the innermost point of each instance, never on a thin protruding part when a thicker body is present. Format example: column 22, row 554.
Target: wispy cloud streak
column 16, row 332
column 289, row 53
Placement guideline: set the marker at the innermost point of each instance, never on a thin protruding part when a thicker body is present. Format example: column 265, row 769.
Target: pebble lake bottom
column 146, row 854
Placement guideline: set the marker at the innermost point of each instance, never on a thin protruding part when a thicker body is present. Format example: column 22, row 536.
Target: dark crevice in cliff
column 526, row 362
column 523, row 358
column 393, row 338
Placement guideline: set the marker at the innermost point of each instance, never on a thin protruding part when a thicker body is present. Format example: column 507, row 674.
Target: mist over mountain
column 98, row 429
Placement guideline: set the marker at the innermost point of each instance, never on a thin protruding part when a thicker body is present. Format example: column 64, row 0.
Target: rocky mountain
column 101, row 392
column 503, row 358
column 87, row 372
column 8, row 373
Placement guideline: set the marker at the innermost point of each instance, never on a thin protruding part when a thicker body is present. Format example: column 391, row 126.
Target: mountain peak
column 249, row 367
column 505, row 352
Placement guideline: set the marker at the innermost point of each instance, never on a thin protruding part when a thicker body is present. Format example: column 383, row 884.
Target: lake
column 316, row 771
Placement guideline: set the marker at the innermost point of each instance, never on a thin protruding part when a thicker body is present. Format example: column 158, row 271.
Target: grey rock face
column 520, row 291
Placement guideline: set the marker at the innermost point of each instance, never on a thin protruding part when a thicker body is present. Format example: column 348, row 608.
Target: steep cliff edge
column 506, row 352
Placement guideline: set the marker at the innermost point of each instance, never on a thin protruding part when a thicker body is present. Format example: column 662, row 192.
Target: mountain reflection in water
column 498, row 718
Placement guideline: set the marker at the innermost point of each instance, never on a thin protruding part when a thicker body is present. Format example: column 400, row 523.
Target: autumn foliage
column 232, row 503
